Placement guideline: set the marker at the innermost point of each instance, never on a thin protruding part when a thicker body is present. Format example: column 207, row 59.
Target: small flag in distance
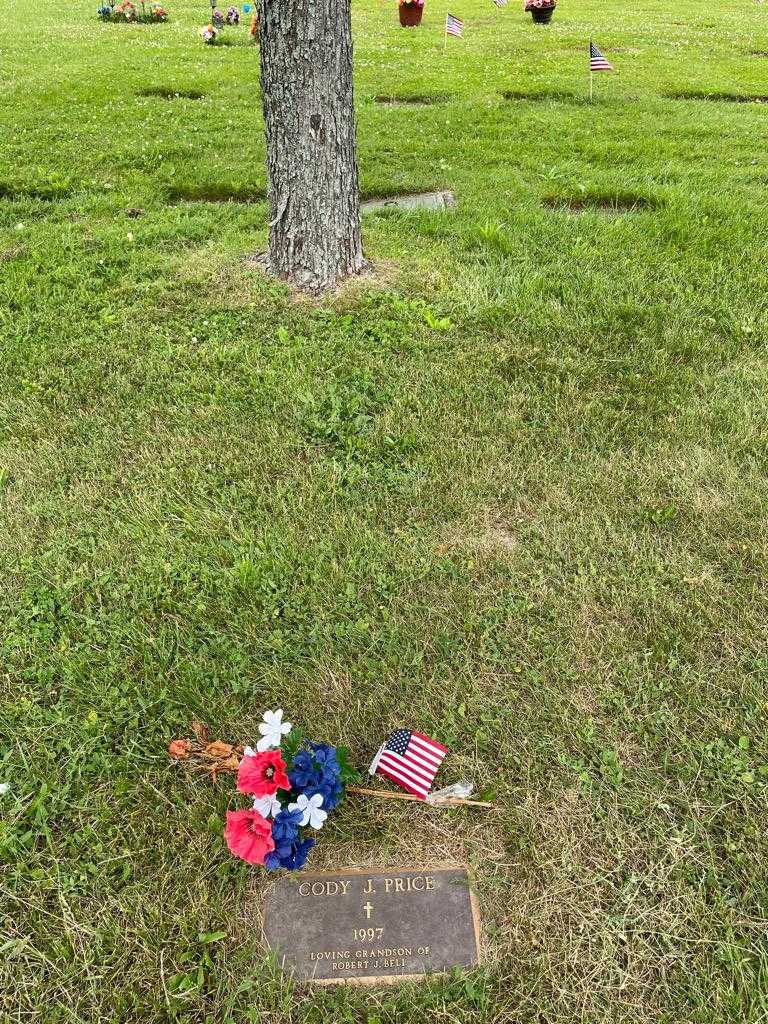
column 597, row 61
column 500, row 3
column 410, row 759
column 453, row 26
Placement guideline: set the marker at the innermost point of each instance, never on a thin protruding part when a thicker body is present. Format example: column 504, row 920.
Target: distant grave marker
column 372, row 926
column 434, row 201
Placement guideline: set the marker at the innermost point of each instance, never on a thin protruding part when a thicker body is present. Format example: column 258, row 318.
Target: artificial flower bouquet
column 127, row 11
column 294, row 784
column 539, row 5
column 220, row 20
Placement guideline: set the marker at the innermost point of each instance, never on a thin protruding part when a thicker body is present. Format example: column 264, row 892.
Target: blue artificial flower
column 274, row 860
column 246, row 8
column 291, row 856
column 326, row 759
column 331, row 791
column 303, row 772
column 285, row 827
column 300, row 854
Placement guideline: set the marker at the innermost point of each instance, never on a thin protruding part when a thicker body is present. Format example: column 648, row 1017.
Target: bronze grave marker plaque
column 372, row 926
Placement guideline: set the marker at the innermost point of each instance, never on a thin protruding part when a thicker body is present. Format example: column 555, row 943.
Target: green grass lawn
column 512, row 493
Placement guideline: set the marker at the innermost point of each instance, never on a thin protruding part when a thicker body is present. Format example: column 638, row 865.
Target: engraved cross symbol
column 368, row 908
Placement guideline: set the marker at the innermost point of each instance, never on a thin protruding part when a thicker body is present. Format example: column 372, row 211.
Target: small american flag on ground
column 597, row 61
column 409, row 759
column 453, row 26
column 500, row 3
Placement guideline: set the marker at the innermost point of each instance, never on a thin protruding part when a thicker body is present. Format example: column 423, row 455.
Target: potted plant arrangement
column 541, row 10
column 410, row 12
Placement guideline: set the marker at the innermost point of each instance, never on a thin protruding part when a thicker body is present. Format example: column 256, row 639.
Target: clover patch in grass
column 718, row 97
column 413, row 99
column 167, row 92
column 611, row 204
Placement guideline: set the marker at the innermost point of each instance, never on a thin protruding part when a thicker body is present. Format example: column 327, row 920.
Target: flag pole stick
column 591, row 81
column 445, row 35
column 591, row 75
column 451, row 802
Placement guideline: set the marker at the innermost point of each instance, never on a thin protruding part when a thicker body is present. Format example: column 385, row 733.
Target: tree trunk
column 314, row 193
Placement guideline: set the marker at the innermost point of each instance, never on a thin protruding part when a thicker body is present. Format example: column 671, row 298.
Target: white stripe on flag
column 396, row 762
column 425, row 751
column 398, row 774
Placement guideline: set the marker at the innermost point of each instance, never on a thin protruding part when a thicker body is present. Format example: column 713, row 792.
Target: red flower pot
column 542, row 15
column 410, row 14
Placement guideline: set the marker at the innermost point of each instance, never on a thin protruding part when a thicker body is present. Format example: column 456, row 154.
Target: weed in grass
column 495, row 237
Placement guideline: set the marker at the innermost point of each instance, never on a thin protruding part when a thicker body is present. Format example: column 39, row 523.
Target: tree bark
column 314, row 191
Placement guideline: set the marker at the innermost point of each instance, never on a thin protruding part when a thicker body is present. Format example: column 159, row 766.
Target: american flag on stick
column 500, row 3
column 410, row 759
column 597, row 61
column 453, row 26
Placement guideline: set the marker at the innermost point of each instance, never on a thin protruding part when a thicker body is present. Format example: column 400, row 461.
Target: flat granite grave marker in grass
column 372, row 926
column 432, row 201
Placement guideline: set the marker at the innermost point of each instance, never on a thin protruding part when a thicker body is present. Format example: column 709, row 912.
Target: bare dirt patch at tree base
column 373, row 277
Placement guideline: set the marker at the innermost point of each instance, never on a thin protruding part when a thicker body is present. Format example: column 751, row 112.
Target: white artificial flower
column 272, row 730
column 249, row 752
column 4, row 787
column 267, row 806
column 311, row 808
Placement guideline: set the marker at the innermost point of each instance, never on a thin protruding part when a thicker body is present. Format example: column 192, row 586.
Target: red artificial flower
column 249, row 836
column 262, row 774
